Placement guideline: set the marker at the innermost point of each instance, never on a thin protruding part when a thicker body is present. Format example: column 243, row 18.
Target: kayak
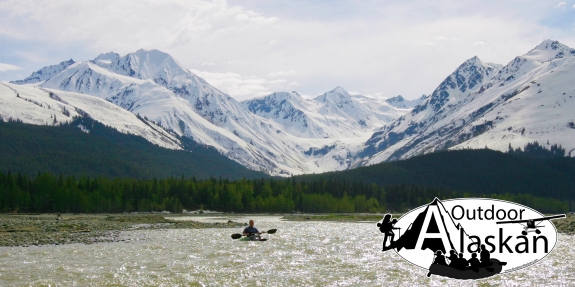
column 253, row 238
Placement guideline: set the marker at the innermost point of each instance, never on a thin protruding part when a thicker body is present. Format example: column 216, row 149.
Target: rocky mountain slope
column 333, row 114
column 150, row 94
column 154, row 86
column 482, row 105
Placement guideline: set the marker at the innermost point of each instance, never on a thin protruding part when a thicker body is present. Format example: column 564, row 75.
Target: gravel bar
column 45, row 229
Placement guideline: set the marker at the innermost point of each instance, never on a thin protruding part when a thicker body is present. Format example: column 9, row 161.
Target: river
column 299, row 254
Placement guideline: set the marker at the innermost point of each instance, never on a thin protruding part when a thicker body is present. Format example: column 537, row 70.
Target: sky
column 252, row 48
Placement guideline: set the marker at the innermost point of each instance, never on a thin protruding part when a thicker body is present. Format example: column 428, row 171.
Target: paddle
column 238, row 235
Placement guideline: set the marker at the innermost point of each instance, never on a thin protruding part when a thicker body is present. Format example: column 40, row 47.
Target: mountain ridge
column 479, row 104
column 155, row 86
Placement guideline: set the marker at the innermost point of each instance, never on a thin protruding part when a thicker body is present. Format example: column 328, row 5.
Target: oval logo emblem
column 470, row 238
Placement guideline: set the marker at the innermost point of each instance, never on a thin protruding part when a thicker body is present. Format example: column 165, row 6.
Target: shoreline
column 336, row 217
column 563, row 225
column 44, row 229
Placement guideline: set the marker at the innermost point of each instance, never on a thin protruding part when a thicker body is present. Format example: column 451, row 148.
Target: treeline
column 477, row 172
column 535, row 150
column 51, row 193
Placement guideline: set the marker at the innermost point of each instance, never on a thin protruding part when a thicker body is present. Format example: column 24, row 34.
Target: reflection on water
column 299, row 254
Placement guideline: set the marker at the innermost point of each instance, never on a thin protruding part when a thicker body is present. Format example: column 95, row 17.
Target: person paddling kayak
column 251, row 231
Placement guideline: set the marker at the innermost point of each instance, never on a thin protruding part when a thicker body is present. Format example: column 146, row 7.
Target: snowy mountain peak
column 338, row 96
column 549, row 50
column 397, row 98
column 45, row 73
column 551, row 45
column 162, row 69
column 106, row 60
column 149, row 65
column 448, row 98
column 278, row 102
column 472, row 62
column 338, row 89
column 467, row 77
column 397, row 101
column 400, row 102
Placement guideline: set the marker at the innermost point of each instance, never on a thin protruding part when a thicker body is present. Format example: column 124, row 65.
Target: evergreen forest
column 61, row 169
column 49, row 193
column 475, row 172
column 104, row 151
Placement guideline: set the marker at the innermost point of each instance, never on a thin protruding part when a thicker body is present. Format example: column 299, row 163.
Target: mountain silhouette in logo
column 410, row 238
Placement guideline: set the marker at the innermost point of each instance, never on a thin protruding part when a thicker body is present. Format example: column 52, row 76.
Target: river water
column 299, row 254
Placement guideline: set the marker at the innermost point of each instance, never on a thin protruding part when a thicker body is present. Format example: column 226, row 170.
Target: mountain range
column 485, row 105
column 150, row 94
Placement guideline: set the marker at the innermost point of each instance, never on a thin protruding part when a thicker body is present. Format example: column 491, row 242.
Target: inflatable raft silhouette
column 451, row 272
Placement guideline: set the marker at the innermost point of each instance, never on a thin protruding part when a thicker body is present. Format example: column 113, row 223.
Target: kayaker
column 250, row 230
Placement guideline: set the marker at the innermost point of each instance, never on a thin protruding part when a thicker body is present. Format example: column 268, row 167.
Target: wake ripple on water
column 299, row 254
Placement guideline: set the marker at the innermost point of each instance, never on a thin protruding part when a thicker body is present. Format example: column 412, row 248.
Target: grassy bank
column 43, row 229
column 565, row 225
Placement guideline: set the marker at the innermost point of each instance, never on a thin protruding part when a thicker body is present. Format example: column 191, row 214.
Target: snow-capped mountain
column 156, row 87
column 399, row 102
column 335, row 114
column 150, row 94
column 385, row 111
column 50, row 107
column 45, row 73
column 338, row 105
column 290, row 111
column 480, row 104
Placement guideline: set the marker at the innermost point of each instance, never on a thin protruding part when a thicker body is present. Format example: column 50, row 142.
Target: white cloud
column 573, row 6
column 244, row 87
column 561, row 5
column 387, row 47
column 281, row 74
column 121, row 26
column 424, row 43
column 8, row 67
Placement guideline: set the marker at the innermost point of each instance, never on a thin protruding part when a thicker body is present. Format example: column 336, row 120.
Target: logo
column 470, row 238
